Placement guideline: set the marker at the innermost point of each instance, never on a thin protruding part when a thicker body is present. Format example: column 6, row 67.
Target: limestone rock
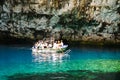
column 85, row 20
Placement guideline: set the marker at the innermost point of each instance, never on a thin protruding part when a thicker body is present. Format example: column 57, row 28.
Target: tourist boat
column 50, row 50
column 47, row 53
column 50, row 54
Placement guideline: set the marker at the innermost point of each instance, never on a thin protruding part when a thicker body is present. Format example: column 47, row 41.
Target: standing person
column 61, row 43
column 42, row 45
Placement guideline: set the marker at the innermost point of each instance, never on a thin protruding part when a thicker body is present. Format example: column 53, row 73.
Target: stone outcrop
column 74, row 20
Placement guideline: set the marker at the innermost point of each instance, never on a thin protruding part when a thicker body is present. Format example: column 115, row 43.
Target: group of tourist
column 54, row 44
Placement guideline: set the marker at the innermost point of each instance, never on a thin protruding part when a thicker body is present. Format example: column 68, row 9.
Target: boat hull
column 50, row 50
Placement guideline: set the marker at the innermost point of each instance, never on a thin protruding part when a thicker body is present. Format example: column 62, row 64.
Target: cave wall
column 76, row 20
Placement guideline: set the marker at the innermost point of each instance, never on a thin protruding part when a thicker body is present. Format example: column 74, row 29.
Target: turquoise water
column 20, row 60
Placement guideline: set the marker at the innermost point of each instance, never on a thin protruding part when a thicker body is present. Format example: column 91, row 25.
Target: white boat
column 50, row 50
column 50, row 54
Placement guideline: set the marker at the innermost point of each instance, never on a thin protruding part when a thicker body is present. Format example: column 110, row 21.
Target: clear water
column 19, row 59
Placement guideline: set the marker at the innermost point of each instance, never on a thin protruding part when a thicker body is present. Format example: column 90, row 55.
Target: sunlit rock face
column 77, row 20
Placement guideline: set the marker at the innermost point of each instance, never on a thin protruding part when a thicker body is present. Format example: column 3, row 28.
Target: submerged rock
column 69, row 75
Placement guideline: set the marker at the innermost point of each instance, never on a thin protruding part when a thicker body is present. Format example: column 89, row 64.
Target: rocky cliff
column 72, row 20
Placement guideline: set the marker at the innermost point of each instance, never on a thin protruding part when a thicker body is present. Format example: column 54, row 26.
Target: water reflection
column 43, row 57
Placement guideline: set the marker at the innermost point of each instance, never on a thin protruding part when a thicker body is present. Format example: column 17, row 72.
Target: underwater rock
column 68, row 75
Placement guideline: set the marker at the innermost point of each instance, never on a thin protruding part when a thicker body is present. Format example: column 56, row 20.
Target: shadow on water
column 68, row 75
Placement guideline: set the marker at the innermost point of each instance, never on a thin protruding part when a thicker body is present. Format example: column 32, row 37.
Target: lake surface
column 17, row 62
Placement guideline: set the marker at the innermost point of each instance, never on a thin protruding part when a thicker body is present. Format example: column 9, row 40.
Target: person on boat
column 45, row 44
column 61, row 43
column 36, row 45
column 55, row 45
column 39, row 44
column 42, row 45
column 50, row 45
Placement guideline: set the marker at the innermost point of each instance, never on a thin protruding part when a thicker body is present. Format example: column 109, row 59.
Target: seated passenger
column 60, row 44
column 45, row 45
column 55, row 45
column 50, row 45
